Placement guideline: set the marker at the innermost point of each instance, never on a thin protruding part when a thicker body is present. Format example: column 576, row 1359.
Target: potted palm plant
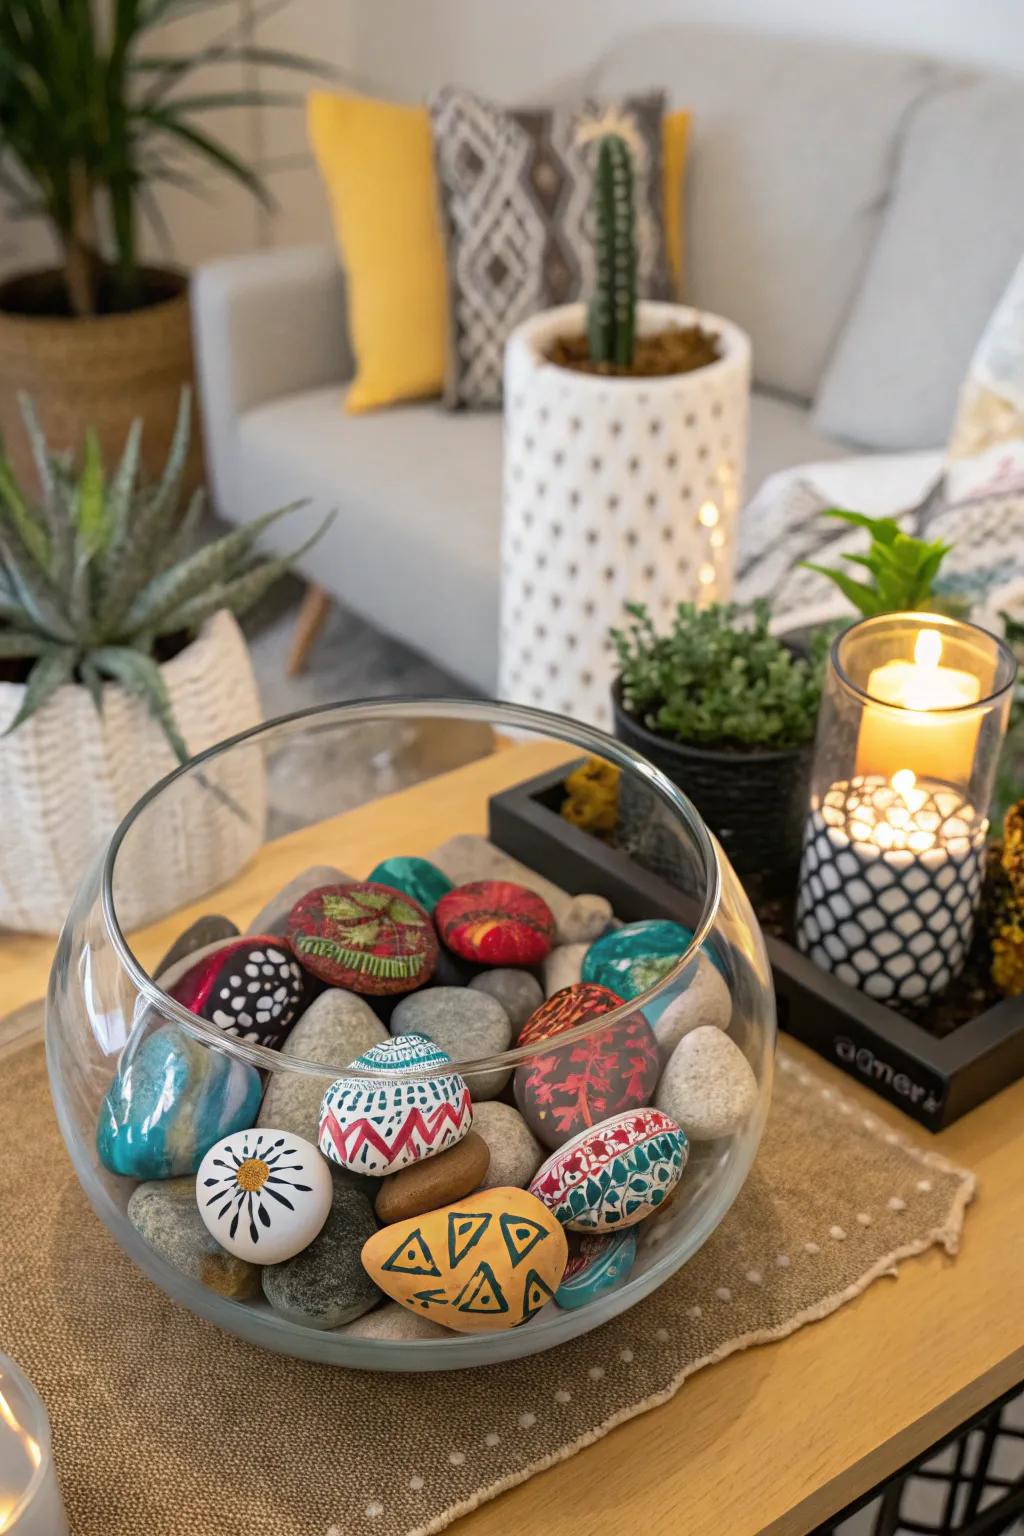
column 94, row 117
column 120, row 655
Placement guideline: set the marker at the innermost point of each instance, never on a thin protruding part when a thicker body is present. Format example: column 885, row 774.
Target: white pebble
column 516, row 1154
column 708, row 1086
column 584, row 920
column 563, row 966
column 705, row 1001
column 393, row 1322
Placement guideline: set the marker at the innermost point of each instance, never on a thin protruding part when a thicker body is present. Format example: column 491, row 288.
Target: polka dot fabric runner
column 154, row 1411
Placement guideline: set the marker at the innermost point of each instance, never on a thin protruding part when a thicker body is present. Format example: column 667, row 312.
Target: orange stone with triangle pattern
column 485, row 1263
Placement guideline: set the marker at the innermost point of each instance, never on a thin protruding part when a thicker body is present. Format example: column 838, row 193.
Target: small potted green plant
column 728, row 712
column 120, row 654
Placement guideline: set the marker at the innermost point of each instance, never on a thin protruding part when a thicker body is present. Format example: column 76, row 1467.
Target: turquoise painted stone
column 636, row 957
column 170, row 1102
column 417, row 878
column 596, row 1263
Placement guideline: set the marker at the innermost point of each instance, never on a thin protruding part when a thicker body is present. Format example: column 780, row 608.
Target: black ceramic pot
column 754, row 802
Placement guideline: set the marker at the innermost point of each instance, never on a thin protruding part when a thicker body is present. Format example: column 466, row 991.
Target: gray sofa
column 857, row 212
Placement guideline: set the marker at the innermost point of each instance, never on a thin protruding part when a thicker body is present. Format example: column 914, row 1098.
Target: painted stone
column 165, row 1214
column 496, row 922
column 516, row 1154
column 264, row 1195
column 485, row 1263
column 417, row 878
column 326, row 1286
column 364, row 937
column 614, row 1174
column 212, row 929
column 382, row 1123
column 437, row 1181
column 251, row 987
column 567, row 1089
column 335, row 1028
column 566, row 1009
column 393, row 1322
column 635, row 957
column 173, row 1098
column 597, row 1262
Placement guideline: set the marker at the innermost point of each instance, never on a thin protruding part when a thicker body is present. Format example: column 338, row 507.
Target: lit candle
column 920, row 731
column 889, row 881
column 30, row 1502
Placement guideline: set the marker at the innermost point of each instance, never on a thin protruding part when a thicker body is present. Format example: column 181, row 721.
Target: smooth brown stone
column 435, row 1181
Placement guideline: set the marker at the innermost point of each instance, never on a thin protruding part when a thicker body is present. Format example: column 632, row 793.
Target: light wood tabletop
column 775, row 1439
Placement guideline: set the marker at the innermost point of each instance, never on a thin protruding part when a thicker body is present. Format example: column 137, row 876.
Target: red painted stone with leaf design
column 496, row 922
column 365, row 937
column 565, row 1009
column 565, row 1090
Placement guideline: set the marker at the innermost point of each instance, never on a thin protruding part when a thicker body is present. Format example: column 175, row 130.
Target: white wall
column 510, row 48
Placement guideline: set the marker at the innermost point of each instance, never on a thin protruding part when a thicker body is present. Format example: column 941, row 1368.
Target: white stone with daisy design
column 264, row 1194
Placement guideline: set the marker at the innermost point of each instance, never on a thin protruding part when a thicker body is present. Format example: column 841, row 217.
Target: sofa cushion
column 952, row 236
column 790, row 162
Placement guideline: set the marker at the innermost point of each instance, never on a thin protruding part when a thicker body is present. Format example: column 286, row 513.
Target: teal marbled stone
column 417, row 878
column 631, row 959
column 170, row 1101
column 599, row 1263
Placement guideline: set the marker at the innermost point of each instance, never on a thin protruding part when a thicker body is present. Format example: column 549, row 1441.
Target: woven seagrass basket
column 754, row 802
column 102, row 371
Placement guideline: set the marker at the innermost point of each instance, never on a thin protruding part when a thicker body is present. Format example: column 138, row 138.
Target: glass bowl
column 386, row 778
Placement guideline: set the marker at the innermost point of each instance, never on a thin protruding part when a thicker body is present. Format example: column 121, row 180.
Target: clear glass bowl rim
column 540, row 723
column 1005, row 672
column 39, row 1430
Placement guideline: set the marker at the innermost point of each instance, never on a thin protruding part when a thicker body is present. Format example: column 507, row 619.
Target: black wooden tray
column 933, row 1080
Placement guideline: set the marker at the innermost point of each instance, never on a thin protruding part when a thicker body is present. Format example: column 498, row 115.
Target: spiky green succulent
column 96, row 570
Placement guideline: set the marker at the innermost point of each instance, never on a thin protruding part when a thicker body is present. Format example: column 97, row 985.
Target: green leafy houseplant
column 710, row 683
column 98, row 577
column 902, row 569
column 93, row 118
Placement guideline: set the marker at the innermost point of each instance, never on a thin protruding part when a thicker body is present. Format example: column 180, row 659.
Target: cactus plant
column 611, row 315
column 99, row 571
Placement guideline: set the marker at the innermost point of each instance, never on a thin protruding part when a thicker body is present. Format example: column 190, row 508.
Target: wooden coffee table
column 775, row 1439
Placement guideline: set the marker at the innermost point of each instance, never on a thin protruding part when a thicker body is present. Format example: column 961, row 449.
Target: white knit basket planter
column 615, row 490
column 69, row 775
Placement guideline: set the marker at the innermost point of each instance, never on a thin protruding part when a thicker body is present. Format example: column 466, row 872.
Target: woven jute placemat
column 163, row 1426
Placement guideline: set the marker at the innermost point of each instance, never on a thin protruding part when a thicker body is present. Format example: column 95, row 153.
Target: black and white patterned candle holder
column 912, row 718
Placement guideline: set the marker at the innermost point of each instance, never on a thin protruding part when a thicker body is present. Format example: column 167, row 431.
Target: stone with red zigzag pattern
column 406, row 1106
column 484, row 1263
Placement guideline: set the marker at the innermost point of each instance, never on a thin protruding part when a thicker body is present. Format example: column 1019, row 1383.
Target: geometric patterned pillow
column 515, row 190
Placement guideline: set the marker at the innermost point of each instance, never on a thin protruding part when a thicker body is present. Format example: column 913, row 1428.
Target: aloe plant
column 902, row 569
column 611, row 315
column 99, row 569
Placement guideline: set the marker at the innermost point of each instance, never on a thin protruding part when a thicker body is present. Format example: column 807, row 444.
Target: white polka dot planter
column 615, row 490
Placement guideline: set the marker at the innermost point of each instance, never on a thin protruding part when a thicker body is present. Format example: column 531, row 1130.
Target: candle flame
column 928, row 649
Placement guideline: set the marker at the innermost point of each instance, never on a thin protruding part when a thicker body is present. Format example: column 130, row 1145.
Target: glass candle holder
column 30, row 1502
column 913, row 714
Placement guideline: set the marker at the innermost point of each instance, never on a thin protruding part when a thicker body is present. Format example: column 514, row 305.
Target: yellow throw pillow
column 675, row 133
column 376, row 159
